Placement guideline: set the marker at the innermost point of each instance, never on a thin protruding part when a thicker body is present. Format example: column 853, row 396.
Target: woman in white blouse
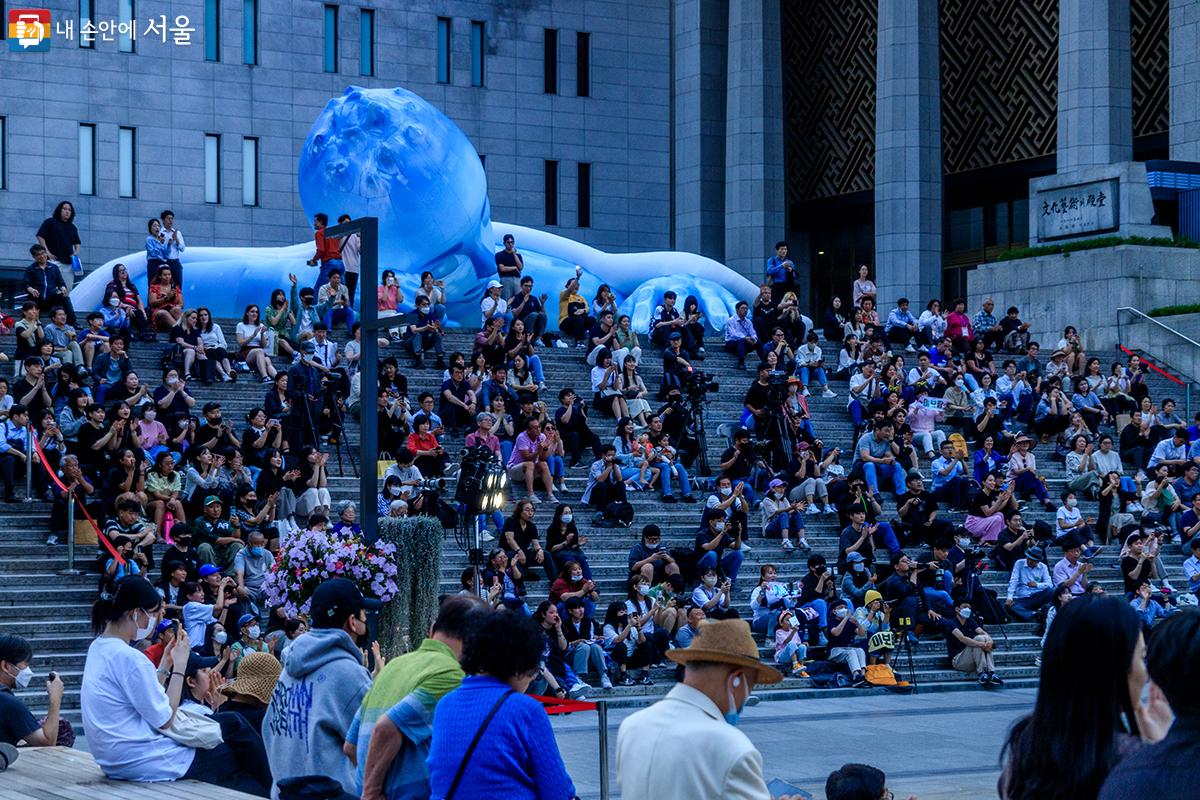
column 252, row 342
column 863, row 287
column 213, row 339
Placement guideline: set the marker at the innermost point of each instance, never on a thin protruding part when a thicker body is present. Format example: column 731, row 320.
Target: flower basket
column 308, row 558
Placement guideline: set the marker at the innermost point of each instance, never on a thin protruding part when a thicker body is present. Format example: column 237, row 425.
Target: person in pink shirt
column 151, row 433
column 528, row 460
column 923, row 420
column 958, row 326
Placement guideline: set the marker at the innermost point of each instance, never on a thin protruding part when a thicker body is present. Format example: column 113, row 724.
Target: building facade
column 568, row 105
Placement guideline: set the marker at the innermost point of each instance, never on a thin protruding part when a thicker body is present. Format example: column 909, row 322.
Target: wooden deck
column 60, row 773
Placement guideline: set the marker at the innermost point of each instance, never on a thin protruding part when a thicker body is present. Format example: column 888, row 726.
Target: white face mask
column 965, row 613
column 149, row 416
column 858, row 566
column 220, row 637
column 114, row 301
column 566, row 518
column 726, row 491
column 22, row 678
column 964, row 543
column 254, row 631
column 710, row 580
column 719, row 527
column 171, row 381
column 144, row 633
column 841, row 612
column 643, row 589
column 1071, row 501
column 394, row 491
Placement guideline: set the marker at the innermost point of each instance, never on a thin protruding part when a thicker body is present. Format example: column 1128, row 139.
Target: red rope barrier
column 62, row 487
column 1150, row 364
column 556, row 705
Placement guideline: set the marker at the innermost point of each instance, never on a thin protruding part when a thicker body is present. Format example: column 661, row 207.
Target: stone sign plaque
column 1081, row 209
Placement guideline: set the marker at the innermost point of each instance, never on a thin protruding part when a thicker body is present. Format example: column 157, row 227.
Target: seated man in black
column 758, row 399
column 1011, row 544
column 571, row 419
column 676, row 361
column 215, row 433
column 908, row 603
column 918, row 512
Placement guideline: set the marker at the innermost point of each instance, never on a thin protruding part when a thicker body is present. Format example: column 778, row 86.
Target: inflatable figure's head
column 390, row 154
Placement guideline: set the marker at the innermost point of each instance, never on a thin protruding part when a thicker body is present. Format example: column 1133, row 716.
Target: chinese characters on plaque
column 1078, row 210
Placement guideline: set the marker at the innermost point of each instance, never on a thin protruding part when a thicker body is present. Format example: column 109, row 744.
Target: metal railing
column 1145, row 334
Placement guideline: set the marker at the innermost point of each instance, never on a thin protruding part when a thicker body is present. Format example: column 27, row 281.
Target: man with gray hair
column 77, row 486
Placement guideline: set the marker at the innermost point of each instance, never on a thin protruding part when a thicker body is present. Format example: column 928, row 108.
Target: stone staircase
column 52, row 610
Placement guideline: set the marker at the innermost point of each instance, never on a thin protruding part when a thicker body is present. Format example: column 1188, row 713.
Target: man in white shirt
column 715, row 759
column 175, row 245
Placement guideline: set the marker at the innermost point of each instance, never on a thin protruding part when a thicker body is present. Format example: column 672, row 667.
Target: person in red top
column 430, row 456
column 164, row 637
column 958, row 326
column 328, row 253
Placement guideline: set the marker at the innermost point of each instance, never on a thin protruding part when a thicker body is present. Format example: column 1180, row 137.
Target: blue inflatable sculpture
column 390, row 154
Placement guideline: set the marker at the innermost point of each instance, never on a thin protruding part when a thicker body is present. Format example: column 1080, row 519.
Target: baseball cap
column 245, row 619
column 803, row 446
column 675, row 335
column 308, row 346
column 336, row 599
column 197, row 663
column 208, row 569
column 494, row 284
column 774, row 483
column 854, row 557
column 212, row 498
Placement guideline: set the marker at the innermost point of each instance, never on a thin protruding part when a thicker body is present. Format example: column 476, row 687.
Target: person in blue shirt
column 781, row 271
column 949, row 472
column 1146, row 607
column 901, row 325
column 515, row 755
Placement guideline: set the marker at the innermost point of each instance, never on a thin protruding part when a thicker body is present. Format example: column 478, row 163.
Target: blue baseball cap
column 208, row 569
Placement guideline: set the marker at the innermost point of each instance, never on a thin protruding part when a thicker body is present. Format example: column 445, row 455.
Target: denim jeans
column 729, row 563
column 822, row 608
column 792, row 520
column 685, row 486
column 535, row 368
column 334, row 315
column 585, row 655
column 815, row 372
column 871, row 472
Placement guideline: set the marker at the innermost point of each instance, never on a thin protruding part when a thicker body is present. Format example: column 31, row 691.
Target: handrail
column 1148, row 318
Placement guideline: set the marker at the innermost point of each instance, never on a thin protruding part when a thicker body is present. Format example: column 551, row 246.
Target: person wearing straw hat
column 250, row 692
column 1023, row 473
column 720, row 668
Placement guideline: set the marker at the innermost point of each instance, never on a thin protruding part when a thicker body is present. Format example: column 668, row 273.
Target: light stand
column 481, row 483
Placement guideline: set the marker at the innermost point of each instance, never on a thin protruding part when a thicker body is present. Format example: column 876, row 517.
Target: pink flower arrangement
column 308, row 558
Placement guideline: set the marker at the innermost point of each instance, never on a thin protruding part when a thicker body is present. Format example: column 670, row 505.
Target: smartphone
column 777, row 788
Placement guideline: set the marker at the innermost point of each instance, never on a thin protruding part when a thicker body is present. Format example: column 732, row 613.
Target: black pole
column 368, row 367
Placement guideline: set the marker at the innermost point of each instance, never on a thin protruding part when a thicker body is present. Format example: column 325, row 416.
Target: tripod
column 904, row 627
column 337, row 434
column 696, row 408
column 779, row 440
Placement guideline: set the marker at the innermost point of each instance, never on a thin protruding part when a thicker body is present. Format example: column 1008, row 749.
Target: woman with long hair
column 215, row 347
column 252, row 341
column 165, row 300
column 280, row 322
column 1089, row 714
column 129, row 299
column 127, row 707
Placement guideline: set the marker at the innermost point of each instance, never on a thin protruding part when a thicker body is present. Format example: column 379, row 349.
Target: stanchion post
column 602, row 717
column 70, row 499
column 29, row 462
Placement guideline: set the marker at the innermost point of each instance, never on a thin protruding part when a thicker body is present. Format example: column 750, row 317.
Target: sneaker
column 669, row 498
column 1167, row 587
column 829, row 509
column 858, row 679
column 486, row 537
column 828, row 393
column 995, row 680
column 822, row 640
column 746, row 548
column 579, row 691
column 552, row 499
column 799, row 671
column 605, row 682
column 625, row 680
column 561, row 486
column 805, row 392
column 267, row 379
column 984, row 680
column 559, row 343
column 52, row 539
column 687, row 498
column 910, row 349
column 787, row 545
column 644, row 678
column 699, row 351
column 580, row 345
column 533, row 498
column 8, row 754
column 804, row 545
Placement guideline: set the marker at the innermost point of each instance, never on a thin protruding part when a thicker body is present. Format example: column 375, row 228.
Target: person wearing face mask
column 969, row 646
column 714, row 595
column 721, row 668
column 715, row 547
column 858, row 579
column 129, row 711
column 783, row 517
column 842, row 632
column 325, row 666
column 16, row 723
column 251, row 640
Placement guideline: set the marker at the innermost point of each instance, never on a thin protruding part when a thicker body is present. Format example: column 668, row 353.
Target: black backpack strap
column 471, row 747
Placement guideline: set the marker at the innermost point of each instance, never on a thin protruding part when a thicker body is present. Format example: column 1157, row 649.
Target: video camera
column 431, row 485
column 777, row 381
column 697, row 384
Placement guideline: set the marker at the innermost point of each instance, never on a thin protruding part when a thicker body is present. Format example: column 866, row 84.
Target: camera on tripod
column 431, row 485
column 697, row 384
column 777, row 391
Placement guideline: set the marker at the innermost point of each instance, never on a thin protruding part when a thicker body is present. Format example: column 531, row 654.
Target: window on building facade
column 443, row 49
column 87, row 13
column 127, row 14
column 249, row 171
column 366, row 47
column 331, row 38
column 551, row 192
column 478, row 46
column 250, row 32
column 87, row 159
column 583, row 66
column 127, row 162
column 550, row 60
column 585, row 195
column 212, row 30
column 212, row 168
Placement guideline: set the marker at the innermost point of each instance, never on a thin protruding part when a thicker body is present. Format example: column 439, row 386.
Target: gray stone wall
column 173, row 97
column 1095, row 84
column 1086, row 288
column 1185, row 80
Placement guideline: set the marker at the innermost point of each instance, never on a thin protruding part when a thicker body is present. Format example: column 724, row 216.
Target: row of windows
column 583, row 204
column 445, row 36
column 366, row 36
column 127, row 164
column 212, row 31
column 583, row 70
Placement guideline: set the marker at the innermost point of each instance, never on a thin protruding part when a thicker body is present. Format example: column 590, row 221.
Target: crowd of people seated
column 948, row 411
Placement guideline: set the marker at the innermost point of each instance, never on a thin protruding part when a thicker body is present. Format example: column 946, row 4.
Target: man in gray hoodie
column 320, row 690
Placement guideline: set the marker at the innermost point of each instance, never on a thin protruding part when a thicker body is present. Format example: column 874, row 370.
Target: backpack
column 824, row 675
column 618, row 512
column 882, row 675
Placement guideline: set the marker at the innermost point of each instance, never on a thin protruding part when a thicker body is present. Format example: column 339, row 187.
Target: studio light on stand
column 481, row 483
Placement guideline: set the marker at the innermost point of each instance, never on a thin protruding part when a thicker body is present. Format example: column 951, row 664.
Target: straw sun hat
column 256, row 677
column 727, row 642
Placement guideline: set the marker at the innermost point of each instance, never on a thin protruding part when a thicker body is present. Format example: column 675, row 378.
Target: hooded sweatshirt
column 314, row 702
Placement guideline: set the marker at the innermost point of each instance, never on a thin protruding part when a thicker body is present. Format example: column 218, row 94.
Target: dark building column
column 1095, row 84
column 701, row 36
column 754, row 195
column 908, row 154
